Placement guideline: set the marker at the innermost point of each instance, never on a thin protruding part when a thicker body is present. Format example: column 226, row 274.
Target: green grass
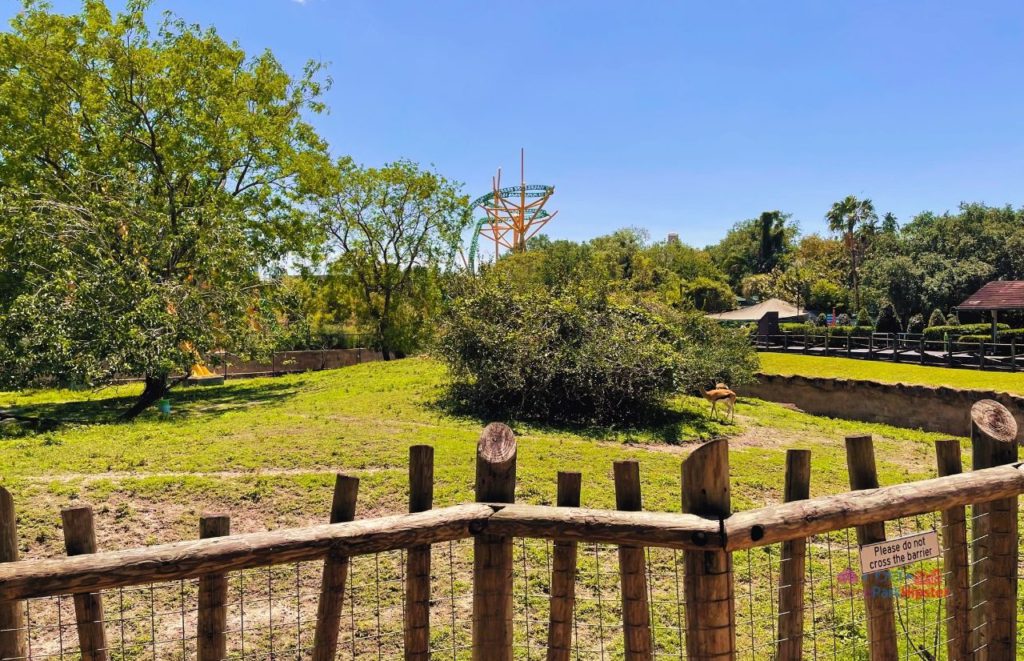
column 266, row 450
column 886, row 372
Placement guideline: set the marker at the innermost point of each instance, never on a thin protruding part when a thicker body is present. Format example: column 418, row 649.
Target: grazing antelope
column 719, row 393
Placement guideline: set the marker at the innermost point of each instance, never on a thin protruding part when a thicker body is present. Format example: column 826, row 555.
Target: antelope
column 718, row 393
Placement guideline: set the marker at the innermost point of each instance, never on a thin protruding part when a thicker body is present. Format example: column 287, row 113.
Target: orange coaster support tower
column 514, row 213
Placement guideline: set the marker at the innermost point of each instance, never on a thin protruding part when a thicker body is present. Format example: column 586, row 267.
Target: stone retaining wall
column 295, row 361
column 938, row 409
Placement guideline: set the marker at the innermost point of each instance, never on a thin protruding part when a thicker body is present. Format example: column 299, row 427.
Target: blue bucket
column 164, row 405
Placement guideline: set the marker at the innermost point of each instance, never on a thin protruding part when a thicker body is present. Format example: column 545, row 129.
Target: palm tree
column 851, row 217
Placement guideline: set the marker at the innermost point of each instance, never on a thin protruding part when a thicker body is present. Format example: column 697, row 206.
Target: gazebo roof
column 998, row 295
column 755, row 312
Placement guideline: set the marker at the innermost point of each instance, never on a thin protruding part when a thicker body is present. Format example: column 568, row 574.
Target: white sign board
column 899, row 552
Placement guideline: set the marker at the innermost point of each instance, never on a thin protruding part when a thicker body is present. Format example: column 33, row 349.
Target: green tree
column 853, row 219
column 388, row 224
column 753, row 246
column 888, row 321
column 709, row 295
column 936, row 318
column 772, row 240
column 152, row 181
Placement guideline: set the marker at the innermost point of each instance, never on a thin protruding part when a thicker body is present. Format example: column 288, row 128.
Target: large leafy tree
column 855, row 220
column 151, row 181
column 755, row 246
column 394, row 230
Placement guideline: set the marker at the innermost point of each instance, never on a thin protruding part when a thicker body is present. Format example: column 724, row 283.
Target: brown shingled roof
column 998, row 295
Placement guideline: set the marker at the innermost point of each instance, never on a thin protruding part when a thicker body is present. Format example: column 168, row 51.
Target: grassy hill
column 886, row 372
column 265, row 450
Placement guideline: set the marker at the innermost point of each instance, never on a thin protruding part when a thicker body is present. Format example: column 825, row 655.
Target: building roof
column 998, row 295
column 755, row 312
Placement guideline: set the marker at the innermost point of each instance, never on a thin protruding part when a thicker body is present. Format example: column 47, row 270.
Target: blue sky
column 682, row 117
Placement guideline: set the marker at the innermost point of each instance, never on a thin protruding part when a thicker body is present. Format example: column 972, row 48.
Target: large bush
column 939, row 332
column 579, row 356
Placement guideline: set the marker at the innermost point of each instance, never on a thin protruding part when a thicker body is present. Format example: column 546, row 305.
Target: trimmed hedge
column 832, row 331
column 938, row 332
column 1001, row 336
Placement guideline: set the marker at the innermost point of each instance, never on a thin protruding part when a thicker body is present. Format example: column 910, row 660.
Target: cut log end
column 497, row 444
column 705, row 476
column 994, row 420
column 343, row 503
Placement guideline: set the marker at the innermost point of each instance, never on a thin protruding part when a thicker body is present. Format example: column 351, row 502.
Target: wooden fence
column 911, row 348
column 759, row 584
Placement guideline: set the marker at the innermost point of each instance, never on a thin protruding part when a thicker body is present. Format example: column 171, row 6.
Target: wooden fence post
column 80, row 539
column 13, row 635
column 636, row 612
column 708, row 579
column 492, row 554
column 954, row 560
column 994, row 584
column 871, row 345
column 417, row 560
column 332, row 587
column 563, row 577
column 920, row 351
column 878, row 591
column 212, row 638
column 792, row 564
column 1013, row 353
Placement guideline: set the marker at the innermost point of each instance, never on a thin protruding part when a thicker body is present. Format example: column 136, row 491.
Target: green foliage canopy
column 151, row 182
column 394, row 228
column 581, row 355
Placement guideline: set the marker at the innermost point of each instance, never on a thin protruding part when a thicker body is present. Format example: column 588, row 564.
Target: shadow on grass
column 673, row 424
column 186, row 402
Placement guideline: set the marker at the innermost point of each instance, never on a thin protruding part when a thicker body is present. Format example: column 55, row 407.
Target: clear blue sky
column 670, row 116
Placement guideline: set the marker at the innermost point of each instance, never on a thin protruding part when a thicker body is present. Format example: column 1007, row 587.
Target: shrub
column 952, row 319
column 843, row 319
column 915, row 324
column 888, row 322
column 937, row 318
column 938, row 332
column 1001, row 335
column 710, row 295
column 579, row 356
column 863, row 318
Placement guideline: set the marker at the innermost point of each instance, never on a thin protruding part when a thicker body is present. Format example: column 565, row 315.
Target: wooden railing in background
column 707, row 531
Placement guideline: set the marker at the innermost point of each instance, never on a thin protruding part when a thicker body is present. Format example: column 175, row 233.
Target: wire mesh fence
column 271, row 611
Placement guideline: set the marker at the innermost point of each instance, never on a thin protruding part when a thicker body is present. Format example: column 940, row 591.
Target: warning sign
column 898, row 552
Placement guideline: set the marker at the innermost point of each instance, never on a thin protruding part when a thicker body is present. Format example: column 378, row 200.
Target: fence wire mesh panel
column 835, row 620
column 272, row 611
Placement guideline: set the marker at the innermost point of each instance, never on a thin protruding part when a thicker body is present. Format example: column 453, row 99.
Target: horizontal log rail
column 768, row 525
column 581, row 524
column 181, row 560
column 779, row 523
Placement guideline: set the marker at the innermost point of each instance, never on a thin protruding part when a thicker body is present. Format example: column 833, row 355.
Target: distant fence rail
column 500, row 580
column 899, row 347
column 288, row 362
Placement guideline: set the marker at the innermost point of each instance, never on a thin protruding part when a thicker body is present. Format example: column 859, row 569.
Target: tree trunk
column 156, row 387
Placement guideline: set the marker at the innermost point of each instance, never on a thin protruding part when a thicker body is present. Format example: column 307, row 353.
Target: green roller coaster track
column 532, row 190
